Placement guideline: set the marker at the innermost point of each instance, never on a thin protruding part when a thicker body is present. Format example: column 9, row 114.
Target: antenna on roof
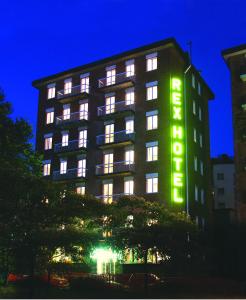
column 190, row 51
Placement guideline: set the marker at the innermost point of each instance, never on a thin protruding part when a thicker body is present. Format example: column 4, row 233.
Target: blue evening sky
column 41, row 37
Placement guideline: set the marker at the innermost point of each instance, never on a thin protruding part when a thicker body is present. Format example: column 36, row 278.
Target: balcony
column 116, row 108
column 72, row 118
column 113, row 197
column 115, row 139
column 67, row 95
column 120, row 80
column 120, row 167
column 72, row 146
column 76, row 173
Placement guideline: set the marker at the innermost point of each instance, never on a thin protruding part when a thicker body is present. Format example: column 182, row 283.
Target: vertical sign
column 177, row 142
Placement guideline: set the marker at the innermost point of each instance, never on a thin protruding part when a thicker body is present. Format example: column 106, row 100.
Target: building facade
column 235, row 59
column 134, row 123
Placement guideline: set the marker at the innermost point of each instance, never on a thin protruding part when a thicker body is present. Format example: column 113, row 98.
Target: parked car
column 137, row 280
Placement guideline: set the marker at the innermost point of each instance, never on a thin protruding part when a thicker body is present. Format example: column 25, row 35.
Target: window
column 200, row 140
column 130, row 96
column 152, row 151
column 193, row 81
column 109, row 133
column 83, row 138
column 81, row 167
column 46, row 168
column 48, row 142
column 108, row 192
column 110, row 104
column 202, row 196
column 80, row 189
column 49, row 115
column 130, row 68
column 63, row 166
column 152, row 90
column 221, row 191
column 108, row 163
column 194, row 107
column 152, row 183
column 200, row 113
column 68, row 86
column 194, row 133
column 201, row 168
column 129, row 156
column 128, row 185
column 196, row 193
column 85, row 83
column 83, row 111
column 220, row 176
column 195, row 163
column 51, row 91
column 151, row 62
column 152, row 120
column 65, row 138
column 129, row 126
column 111, row 75
column 66, row 112
column 199, row 88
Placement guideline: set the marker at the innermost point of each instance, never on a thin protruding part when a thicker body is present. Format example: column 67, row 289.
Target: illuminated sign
column 177, row 142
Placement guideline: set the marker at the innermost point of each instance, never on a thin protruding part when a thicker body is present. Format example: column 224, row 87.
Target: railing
column 116, row 167
column 115, row 79
column 115, row 137
column 71, row 146
column 76, row 116
column 75, row 90
column 116, row 107
column 70, row 174
column 109, row 198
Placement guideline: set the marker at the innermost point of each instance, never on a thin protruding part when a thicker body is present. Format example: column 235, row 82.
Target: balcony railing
column 76, row 116
column 71, row 146
column 115, row 137
column 70, row 174
column 73, row 91
column 113, row 108
column 115, row 79
column 113, row 197
column 116, row 167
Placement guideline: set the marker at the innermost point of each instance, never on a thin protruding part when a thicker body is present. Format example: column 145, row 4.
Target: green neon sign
column 177, row 142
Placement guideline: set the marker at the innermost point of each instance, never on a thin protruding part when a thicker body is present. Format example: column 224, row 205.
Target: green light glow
column 177, row 142
column 106, row 259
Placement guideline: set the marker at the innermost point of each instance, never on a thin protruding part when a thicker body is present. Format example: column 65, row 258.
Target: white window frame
column 128, row 185
column 152, row 120
column 110, row 75
column 194, row 107
column 63, row 166
column 48, row 142
column 129, row 96
column 65, row 139
column 80, row 189
column 108, row 162
column 51, row 91
column 68, row 86
column 129, row 125
column 109, row 133
column 83, row 110
column 151, row 62
column 46, row 167
column 130, row 68
column 85, row 83
column 109, row 104
column 151, row 90
column 195, row 135
column 66, row 114
column 50, row 115
column 83, row 138
column 81, row 167
column 152, row 151
column 129, row 156
column 152, row 183
column 108, row 188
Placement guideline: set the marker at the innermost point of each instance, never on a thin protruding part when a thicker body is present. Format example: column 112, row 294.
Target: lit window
column 111, row 75
column 200, row 140
column 68, row 86
column 80, row 189
column 128, row 186
column 108, row 192
column 83, row 138
column 200, row 113
column 195, row 163
column 130, row 68
column 51, row 91
column 49, row 115
column 202, row 196
column 201, row 168
column 194, row 107
column 110, row 104
column 129, row 126
column 109, row 133
column 152, row 120
column 151, row 62
column 46, row 168
column 194, row 133
column 81, row 167
column 83, row 111
column 108, row 163
column 196, row 193
column 199, row 88
column 129, row 156
column 63, row 166
column 152, row 183
column 193, row 81
column 85, row 83
column 47, row 142
column 130, row 96
column 152, row 151
column 152, row 90
column 66, row 112
column 65, row 137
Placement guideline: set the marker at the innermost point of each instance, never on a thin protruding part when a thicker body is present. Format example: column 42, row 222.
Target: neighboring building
column 235, row 59
column 134, row 123
column 223, row 170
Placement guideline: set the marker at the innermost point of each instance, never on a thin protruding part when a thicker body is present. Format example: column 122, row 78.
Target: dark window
column 220, row 176
column 221, row 191
column 221, row 205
